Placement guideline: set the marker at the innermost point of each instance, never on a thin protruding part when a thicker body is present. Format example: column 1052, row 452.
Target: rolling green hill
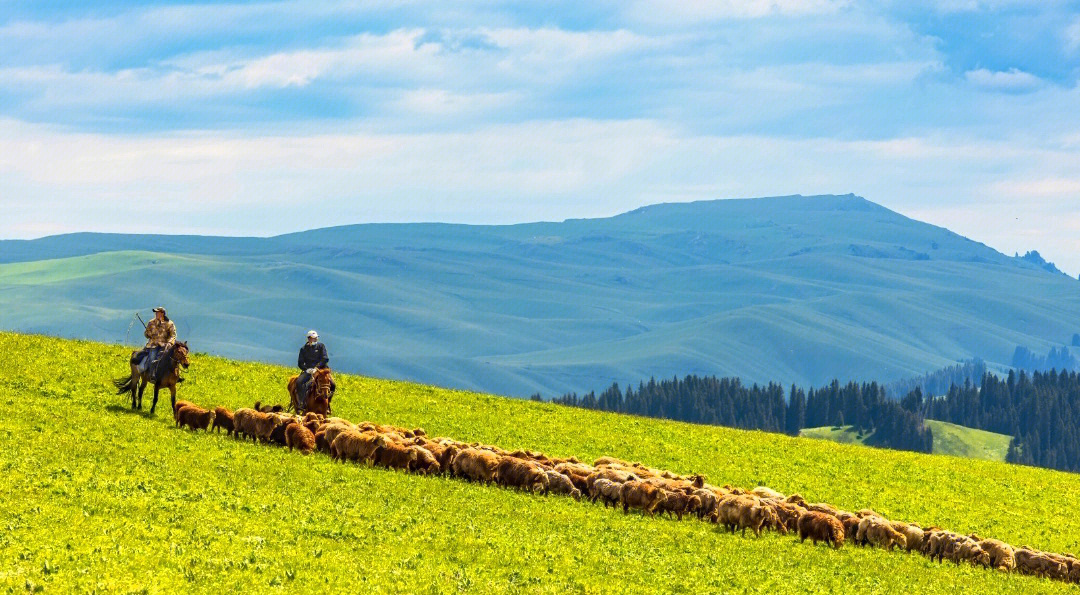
column 97, row 498
column 790, row 289
column 949, row 439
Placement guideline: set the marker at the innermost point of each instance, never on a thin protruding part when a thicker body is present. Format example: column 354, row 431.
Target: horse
column 317, row 399
column 164, row 374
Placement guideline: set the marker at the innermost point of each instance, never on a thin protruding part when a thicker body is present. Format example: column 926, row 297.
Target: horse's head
column 180, row 353
column 321, row 380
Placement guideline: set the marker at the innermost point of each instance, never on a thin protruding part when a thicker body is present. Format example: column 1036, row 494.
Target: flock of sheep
column 620, row 484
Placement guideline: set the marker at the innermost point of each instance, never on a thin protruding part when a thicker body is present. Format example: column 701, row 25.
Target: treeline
column 1041, row 411
column 939, row 382
column 727, row 402
column 1059, row 358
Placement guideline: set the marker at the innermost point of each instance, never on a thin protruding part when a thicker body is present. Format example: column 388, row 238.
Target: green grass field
column 97, row 498
column 949, row 439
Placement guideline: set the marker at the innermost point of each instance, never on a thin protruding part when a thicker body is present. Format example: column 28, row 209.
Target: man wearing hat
column 313, row 357
column 160, row 333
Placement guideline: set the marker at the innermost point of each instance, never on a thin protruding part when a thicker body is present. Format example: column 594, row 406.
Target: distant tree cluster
column 1059, row 358
column 1041, row 411
column 727, row 402
column 939, row 382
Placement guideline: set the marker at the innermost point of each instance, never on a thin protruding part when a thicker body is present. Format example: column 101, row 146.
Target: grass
column 962, row 441
column 949, row 439
column 97, row 498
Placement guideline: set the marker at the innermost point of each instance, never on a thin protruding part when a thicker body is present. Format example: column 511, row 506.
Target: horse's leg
column 153, row 404
column 133, row 384
column 172, row 395
column 142, row 387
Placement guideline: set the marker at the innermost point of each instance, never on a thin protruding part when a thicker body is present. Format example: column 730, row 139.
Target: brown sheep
column 606, row 490
column 351, row 445
column 178, row 405
column 819, row 526
column 559, row 483
column 522, row 473
column 850, row 523
column 194, row 417
column 678, row 503
column 313, row 426
column 223, row 418
column 393, row 455
column 708, row 501
column 885, row 536
column 764, row 492
column 242, row 421
column 747, row 512
column 638, row 494
column 425, row 462
column 610, row 474
column 914, row 535
column 476, row 464
column 299, row 437
column 315, row 417
column 261, row 425
column 277, row 435
column 1001, row 554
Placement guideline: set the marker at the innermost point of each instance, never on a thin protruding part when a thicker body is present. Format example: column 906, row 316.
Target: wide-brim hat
column 160, row 309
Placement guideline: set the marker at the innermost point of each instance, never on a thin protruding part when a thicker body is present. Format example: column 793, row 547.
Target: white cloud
column 700, row 11
column 1072, row 36
column 1003, row 80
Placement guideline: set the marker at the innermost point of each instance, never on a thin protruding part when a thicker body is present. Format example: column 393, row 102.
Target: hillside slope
column 949, row 439
column 170, row 510
column 791, row 289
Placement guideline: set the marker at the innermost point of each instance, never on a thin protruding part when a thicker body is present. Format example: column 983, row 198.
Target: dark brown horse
column 318, row 395
column 164, row 374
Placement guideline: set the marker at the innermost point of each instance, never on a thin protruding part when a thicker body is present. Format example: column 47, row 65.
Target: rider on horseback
column 160, row 334
column 312, row 357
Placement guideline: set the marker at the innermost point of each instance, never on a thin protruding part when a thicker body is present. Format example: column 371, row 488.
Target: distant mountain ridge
column 791, row 289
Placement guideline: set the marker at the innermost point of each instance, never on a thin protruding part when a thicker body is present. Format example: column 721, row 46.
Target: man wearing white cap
column 312, row 357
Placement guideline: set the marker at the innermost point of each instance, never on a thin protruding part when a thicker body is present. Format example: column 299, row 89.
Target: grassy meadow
column 101, row 499
column 949, row 439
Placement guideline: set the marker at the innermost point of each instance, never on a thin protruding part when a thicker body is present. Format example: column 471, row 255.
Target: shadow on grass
column 144, row 412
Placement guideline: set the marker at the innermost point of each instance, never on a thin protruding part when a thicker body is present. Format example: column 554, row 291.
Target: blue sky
column 257, row 118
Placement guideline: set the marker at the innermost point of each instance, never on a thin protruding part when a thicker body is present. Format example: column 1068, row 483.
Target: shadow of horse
column 122, row 409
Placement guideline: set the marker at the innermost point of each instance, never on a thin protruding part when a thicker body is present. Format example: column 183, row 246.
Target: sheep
column 178, row 405
column 351, row 445
column 678, row 503
column 242, row 422
column 277, row 435
column 425, row 461
column 819, row 526
column 606, row 490
column 223, row 418
column 885, row 536
column 747, row 512
column 764, row 492
column 521, row 473
column 610, row 474
column 708, row 501
column 850, row 523
column 638, row 494
column 260, row 425
column 299, row 437
column 194, row 417
column 1002, row 556
column 914, row 535
column 559, row 483
column 969, row 550
column 476, row 464
column 392, row 455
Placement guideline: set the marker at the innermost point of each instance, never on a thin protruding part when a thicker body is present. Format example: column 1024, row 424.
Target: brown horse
column 318, row 395
column 164, row 374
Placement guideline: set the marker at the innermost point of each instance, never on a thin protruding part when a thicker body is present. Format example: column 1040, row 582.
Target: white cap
column 312, row 335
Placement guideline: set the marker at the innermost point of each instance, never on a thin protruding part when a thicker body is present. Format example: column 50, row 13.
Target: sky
column 258, row 118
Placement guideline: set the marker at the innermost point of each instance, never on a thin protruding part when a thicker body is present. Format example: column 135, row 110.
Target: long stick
column 140, row 320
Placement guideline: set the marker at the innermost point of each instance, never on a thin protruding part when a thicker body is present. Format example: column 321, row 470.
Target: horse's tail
column 123, row 384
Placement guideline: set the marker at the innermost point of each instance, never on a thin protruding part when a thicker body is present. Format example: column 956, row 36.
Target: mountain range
column 791, row 289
